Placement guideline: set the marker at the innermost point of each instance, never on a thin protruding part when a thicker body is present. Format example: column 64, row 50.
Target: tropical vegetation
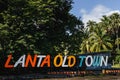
column 48, row 27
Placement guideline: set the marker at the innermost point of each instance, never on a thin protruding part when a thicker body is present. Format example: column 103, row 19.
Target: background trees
column 103, row 36
column 38, row 27
column 48, row 27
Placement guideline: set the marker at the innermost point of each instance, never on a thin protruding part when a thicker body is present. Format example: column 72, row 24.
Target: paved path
column 86, row 78
column 37, row 77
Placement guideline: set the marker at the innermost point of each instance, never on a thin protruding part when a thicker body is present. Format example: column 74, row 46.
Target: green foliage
column 102, row 36
column 42, row 26
column 37, row 26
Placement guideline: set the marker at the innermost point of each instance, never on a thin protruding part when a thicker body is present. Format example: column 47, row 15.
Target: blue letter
column 81, row 61
column 96, row 61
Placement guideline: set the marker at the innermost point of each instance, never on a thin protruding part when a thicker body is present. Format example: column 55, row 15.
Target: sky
column 94, row 9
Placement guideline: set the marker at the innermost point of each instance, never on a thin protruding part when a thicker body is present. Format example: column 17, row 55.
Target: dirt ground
column 86, row 78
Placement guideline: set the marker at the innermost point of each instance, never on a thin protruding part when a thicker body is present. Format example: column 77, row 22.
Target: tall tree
column 112, row 25
column 38, row 26
column 97, row 39
column 100, row 41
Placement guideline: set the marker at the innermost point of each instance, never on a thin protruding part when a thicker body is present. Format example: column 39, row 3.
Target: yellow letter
column 56, row 61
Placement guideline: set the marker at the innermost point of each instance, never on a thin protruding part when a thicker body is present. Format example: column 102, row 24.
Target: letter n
column 29, row 59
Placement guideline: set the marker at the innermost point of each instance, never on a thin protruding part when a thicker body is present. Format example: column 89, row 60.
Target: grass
column 116, row 66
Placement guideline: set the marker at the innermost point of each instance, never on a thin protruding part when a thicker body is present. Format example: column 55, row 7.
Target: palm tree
column 115, row 26
column 117, row 42
column 102, row 36
column 99, row 40
column 91, row 26
column 86, row 44
column 112, row 25
column 96, row 39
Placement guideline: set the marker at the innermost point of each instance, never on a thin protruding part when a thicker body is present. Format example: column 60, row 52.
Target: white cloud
column 96, row 13
column 83, row 11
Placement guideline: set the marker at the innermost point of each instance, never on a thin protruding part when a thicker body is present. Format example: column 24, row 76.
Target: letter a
column 20, row 61
column 46, row 61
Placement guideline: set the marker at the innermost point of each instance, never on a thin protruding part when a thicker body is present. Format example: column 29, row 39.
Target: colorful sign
column 88, row 60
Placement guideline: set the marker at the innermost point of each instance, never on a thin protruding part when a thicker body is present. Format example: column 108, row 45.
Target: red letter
column 46, row 61
column 7, row 65
column 29, row 59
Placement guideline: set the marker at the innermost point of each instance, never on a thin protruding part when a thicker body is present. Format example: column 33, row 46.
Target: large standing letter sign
column 90, row 61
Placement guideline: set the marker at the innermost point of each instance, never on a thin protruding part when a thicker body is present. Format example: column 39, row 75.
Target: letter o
column 55, row 61
column 86, row 61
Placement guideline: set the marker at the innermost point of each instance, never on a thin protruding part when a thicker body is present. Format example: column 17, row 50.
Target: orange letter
column 8, row 61
column 29, row 59
column 69, row 61
column 56, row 62
column 46, row 61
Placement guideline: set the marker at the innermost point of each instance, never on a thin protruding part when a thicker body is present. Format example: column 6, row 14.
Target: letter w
column 96, row 61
